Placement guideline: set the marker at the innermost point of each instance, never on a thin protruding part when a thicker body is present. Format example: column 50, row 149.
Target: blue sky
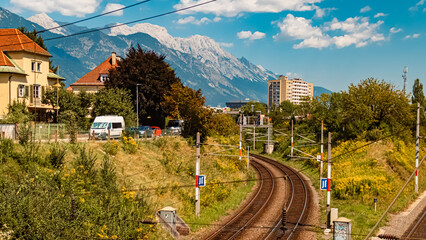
column 331, row 43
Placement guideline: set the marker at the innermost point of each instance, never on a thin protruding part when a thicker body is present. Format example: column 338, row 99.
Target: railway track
column 279, row 186
column 418, row 228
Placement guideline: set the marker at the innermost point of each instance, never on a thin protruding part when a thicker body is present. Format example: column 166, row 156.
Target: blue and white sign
column 202, row 180
column 323, row 184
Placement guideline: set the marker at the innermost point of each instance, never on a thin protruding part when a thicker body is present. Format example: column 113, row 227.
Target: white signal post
column 416, row 185
column 322, row 148
column 197, row 173
column 241, row 136
column 328, row 180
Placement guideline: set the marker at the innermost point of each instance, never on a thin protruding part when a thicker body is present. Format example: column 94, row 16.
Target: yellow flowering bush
column 129, row 145
column 111, row 147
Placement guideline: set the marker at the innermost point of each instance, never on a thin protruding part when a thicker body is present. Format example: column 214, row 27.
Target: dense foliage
column 114, row 101
column 153, row 77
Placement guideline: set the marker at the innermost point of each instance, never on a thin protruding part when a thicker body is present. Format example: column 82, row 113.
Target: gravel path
column 399, row 223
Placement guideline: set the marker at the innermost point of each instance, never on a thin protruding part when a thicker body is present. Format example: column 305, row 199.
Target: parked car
column 175, row 127
column 156, row 131
column 101, row 125
column 142, row 131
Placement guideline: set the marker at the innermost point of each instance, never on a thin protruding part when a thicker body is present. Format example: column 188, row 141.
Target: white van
column 102, row 124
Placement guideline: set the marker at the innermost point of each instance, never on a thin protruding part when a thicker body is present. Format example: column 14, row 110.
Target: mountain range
column 198, row 61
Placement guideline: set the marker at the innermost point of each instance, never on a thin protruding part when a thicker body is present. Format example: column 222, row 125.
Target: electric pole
column 291, row 154
column 329, row 180
column 416, row 185
column 322, row 148
column 197, row 173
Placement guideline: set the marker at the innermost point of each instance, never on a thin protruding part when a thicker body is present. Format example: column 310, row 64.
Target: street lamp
column 57, row 86
column 137, row 104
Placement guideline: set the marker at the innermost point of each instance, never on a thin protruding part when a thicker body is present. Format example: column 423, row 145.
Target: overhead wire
column 117, row 25
column 86, row 19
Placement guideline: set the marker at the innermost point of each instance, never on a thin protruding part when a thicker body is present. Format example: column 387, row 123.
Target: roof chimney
column 113, row 59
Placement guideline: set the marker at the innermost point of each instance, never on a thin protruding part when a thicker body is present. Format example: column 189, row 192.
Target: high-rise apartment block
column 293, row 90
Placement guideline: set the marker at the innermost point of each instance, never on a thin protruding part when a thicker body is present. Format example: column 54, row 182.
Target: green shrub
column 111, row 147
column 129, row 145
column 6, row 149
column 56, row 155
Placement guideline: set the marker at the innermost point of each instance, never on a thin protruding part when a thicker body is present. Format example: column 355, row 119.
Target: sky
column 331, row 43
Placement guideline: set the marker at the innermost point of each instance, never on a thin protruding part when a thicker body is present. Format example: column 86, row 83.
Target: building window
column 36, row 67
column 36, row 91
column 103, row 77
column 21, row 90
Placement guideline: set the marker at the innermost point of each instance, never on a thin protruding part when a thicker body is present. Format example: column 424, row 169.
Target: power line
column 93, row 17
column 86, row 19
column 131, row 22
column 117, row 25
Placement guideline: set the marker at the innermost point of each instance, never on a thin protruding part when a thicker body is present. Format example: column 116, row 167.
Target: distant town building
column 293, row 90
column 93, row 81
column 24, row 73
column 239, row 104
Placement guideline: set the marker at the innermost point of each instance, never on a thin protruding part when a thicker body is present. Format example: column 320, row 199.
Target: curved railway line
column 260, row 218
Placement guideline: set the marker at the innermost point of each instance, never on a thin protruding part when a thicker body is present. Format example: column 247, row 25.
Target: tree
column 374, row 105
column 418, row 95
column 18, row 113
column 222, row 125
column 155, row 77
column 114, row 101
column 39, row 40
column 257, row 106
column 187, row 104
column 68, row 101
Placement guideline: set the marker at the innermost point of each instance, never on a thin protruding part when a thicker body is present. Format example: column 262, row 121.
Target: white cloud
column 365, row 9
column 231, row 8
column 353, row 31
column 416, row 7
column 297, row 28
column 251, row 36
column 77, row 8
column 193, row 20
column 226, row 45
column 217, row 19
column 114, row 6
column 395, row 30
column 321, row 12
column 415, row 35
column 380, row 15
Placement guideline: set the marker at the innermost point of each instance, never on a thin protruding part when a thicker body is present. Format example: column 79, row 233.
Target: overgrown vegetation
column 100, row 190
column 372, row 125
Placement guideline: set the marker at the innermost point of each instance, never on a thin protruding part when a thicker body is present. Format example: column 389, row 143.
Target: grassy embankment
column 102, row 190
column 376, row 171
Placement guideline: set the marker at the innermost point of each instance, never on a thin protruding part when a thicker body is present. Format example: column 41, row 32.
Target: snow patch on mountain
column 45, row 21
column 203, row 48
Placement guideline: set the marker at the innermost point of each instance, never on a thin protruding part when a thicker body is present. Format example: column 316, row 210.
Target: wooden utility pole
column 197, row 173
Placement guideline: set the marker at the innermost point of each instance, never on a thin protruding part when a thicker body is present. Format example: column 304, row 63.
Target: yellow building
column 293, row 90
column 24, row 72
column 93, row 81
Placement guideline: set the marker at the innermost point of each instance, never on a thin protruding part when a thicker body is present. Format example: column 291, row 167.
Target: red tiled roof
column 12, row 40
column 92, row 77
column 4, row 61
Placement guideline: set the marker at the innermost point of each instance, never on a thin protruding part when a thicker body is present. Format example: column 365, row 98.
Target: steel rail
column 280, row 166
column 415, row 227
column 248, row 206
